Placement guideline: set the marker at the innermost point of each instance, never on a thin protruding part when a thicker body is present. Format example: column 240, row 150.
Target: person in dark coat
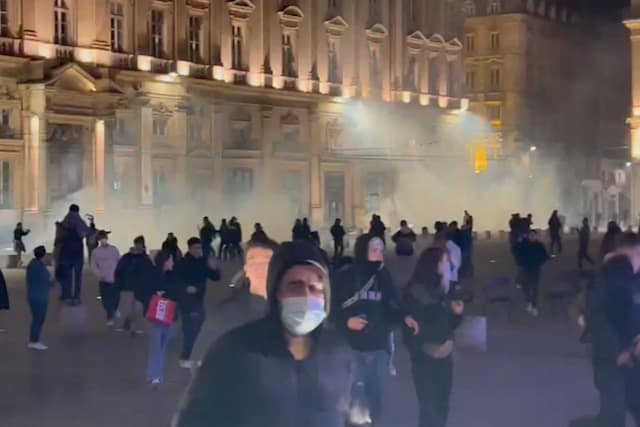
column 223, row 248
column 91, row 239
column 193, row 271
column 404, row 239
column 235, row 238
column 39, row 284
column 306, row 229
column 18, row 244
column 207, row 234
column 584, row 238
column 367, row 309
column 531, row 255
column 167, row 286
column 377, row 227
column 171, row 246
column 133, row 272
column 555, row 231
column 258, row 233
column 4, row 297
column 286, row 369
column 622, row 309
column 431, row 348
column 610, row 240
column 338, row 233
column 297, row 232
column 74, row 230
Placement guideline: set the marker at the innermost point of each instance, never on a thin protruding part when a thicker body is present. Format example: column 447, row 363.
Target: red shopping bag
column 161, row 310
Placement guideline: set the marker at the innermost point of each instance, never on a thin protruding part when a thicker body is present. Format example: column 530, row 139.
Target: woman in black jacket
column 432, row 347
column 4, row 296
column 166, row 285
column 285, row 370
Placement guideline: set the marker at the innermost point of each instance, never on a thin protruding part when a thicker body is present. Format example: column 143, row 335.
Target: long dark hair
column 425, row 272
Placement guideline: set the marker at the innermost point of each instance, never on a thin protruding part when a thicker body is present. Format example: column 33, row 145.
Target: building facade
column 541, row 73
column 152, row 104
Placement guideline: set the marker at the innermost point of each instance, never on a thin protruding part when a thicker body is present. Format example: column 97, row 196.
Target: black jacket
column 337, row 232
column 253, row 381
column 622, row 298
column 194, row 272
column 531, row 256
column 166, row 281
column 429, row 306
column 133, row 272
column 207, row 234
column 379, row 303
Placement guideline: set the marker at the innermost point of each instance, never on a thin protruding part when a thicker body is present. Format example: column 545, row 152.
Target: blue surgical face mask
column 301, row 315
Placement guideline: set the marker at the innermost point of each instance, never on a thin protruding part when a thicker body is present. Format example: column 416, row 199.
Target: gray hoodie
column 104, row 262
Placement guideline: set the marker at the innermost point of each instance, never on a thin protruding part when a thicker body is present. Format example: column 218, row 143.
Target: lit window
column 470, row 42
column 495, row 41
column 4, row 18
column 288, row 56
column 117, row 27
column 469, row 8
column 494, row 7
column 157, row 33
column 495, row 78
column 470, row 80
column 5, row 185
column 195, row 28
column 236, row 48
column 240, row 181
column 61, row 24
column 159, row 127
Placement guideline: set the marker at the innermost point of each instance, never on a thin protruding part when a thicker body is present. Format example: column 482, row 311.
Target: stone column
column 358, row 196
column 268, row 137
column 146, row 158
column 99, row 165
column 443, row 75
column 315, row 176
column 180, row 140
column 217, row 141
column 35, row 149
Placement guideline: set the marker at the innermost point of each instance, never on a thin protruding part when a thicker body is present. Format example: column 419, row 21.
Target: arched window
column 494, row 7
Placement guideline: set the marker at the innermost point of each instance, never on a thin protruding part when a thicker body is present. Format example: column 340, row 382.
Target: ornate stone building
column 157, row 103
column 541, row 72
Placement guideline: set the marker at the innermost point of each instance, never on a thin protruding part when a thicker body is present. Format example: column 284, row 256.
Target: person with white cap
column 367, row 309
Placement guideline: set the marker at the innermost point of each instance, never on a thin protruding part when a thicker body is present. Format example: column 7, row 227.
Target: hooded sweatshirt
column 104, row 261
column 250, row 379
column 134, row 270
column 74, row 230
column 194, row 272
column 365, row 289
column 622, row 298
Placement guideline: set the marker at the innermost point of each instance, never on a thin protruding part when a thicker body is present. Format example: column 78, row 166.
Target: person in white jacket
column 103, row 264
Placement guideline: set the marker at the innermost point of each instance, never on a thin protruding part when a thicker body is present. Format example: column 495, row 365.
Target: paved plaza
column 535, row 372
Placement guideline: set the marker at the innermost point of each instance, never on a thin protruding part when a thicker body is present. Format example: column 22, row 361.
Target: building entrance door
column 65, row 160
column 333, row 196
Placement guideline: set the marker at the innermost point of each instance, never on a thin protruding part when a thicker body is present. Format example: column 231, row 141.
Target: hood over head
column 288, row 255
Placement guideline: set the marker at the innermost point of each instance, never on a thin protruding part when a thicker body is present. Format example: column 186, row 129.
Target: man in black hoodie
column 193, row 271
column 286, row 369
column 338, row 233
column 531, row 255
column 133, row 272
column 367, row 309
column 74, row 230
column 207, row 234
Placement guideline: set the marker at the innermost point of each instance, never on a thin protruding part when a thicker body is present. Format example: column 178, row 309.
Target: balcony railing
column 9, row 46
column 123, row 60
column 64, row 52
column 161, row 66
column 199, row 71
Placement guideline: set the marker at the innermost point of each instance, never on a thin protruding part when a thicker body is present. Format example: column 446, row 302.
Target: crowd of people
column 310, row 340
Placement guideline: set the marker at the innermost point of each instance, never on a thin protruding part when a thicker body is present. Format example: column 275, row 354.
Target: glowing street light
column 628, row 164
column 533, row 148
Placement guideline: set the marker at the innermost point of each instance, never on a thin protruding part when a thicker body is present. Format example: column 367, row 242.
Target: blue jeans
column 71, row 272
column 38, row 314
column 191, row 324
column 372, row 373
column 159, row 338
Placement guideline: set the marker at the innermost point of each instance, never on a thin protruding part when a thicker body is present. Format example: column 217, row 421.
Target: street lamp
column 628, row 164
column 533, row 148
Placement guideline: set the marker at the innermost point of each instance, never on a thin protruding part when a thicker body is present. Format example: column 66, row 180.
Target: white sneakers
column 37, row 346
column 532, row 310
column 190, row 364
column 110, row 323
column 186, row 364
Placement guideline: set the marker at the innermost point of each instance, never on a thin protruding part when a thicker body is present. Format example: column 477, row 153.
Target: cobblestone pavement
column 535, row 372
